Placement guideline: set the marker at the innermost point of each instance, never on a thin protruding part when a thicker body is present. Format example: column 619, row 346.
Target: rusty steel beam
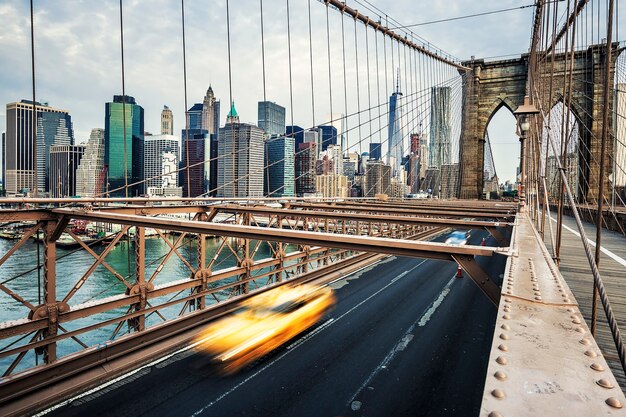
column 398, row 247
column 422, row 221
column 24, row 215
column 22, row 240
column 480, row 277
column 406, row 211
column 26, row 393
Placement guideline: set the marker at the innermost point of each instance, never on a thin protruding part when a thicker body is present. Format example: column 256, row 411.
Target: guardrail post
column 49, row 290
column 141, row 287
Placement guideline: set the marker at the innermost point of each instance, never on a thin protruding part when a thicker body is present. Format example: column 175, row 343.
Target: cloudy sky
column 78, row 55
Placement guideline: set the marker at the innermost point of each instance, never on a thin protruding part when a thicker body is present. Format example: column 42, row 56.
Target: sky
column 78, row 65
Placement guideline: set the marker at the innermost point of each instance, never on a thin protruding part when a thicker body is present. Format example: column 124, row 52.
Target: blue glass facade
column 271, row 117
column 297, row 133
column 280, row 163
column 395, row 149
column 118, row 165
column 375, row 152
column 328, row 135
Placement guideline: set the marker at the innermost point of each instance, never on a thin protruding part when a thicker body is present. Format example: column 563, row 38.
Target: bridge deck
column 575, row 269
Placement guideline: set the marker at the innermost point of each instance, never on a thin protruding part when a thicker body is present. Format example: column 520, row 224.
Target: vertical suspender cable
column 235, row 179
column 123, row 100
column 34, row 113
column 358, row 89
column 344, row 128
column 605, row 134
column 330, row 79
column 311, row 59
column 186, row 145
column 267, row 169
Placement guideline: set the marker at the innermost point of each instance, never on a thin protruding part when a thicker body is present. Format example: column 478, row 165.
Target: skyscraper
column 53, row 128
column 63, row 163
column 210, row 112
column 167, row 121
column 21, row 162
column 328, row 136
column 395, row 146
column 194, row 150
column 440, row 152
column 375, row 153
column 240, row 158
column 305, row 168
column 195, row 167
column 271, row 117
column 280, row 167
column 90, row 176
column 161, row 151
column 377, row 179
column 297, row 133
column 124, row 156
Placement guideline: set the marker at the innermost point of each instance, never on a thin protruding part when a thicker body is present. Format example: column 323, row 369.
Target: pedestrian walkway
column 576, row 271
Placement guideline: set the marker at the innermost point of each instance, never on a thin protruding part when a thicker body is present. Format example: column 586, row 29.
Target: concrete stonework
column 491, row 85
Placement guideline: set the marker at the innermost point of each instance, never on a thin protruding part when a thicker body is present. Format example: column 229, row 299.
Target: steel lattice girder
column 399, row 247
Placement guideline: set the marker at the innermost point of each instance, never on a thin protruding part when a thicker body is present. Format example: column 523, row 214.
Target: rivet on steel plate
column 503, row 336
column 507, row 300
column 503, row 348
column 585, row 342
column 604, row 383
column 580, row 329
column 614, row 402
column 500, row 375
column 505, row 327
column 597, row 367
column 501, row 360
column 498, row 393
column 506, row 317
column 538, row 297
column 591, row 353
column 494, row 414
column 537, row 293
column 576, row 320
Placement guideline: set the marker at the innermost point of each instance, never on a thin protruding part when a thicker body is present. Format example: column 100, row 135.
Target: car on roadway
column 458, row 238
column 262, row 323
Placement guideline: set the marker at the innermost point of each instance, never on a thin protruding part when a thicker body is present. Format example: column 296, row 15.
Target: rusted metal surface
column 359, row 243
column 403, row 219
column 543, row 359
column 31, row 390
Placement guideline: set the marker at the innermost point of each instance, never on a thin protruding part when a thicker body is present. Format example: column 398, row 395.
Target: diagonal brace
column 495, row 233
column 480, row 277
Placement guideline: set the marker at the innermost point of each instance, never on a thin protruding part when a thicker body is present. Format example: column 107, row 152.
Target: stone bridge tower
column 491, row 85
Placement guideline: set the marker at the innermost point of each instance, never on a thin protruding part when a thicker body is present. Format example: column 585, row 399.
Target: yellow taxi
column 262, row 323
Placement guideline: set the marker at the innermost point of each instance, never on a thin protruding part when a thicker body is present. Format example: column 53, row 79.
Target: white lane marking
column 404, row 340
column 607, row 252
column 344, row 280
column 295, row 345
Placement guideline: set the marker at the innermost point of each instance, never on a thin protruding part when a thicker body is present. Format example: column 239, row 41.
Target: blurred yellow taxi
column 262, row 323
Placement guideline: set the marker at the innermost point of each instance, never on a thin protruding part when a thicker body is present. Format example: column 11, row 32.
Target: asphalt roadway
column 407, row 338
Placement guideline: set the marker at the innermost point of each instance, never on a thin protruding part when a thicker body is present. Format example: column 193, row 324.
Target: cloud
column 78, row 53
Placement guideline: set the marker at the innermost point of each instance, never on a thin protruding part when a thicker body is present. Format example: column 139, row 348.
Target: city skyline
column 156, row 79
